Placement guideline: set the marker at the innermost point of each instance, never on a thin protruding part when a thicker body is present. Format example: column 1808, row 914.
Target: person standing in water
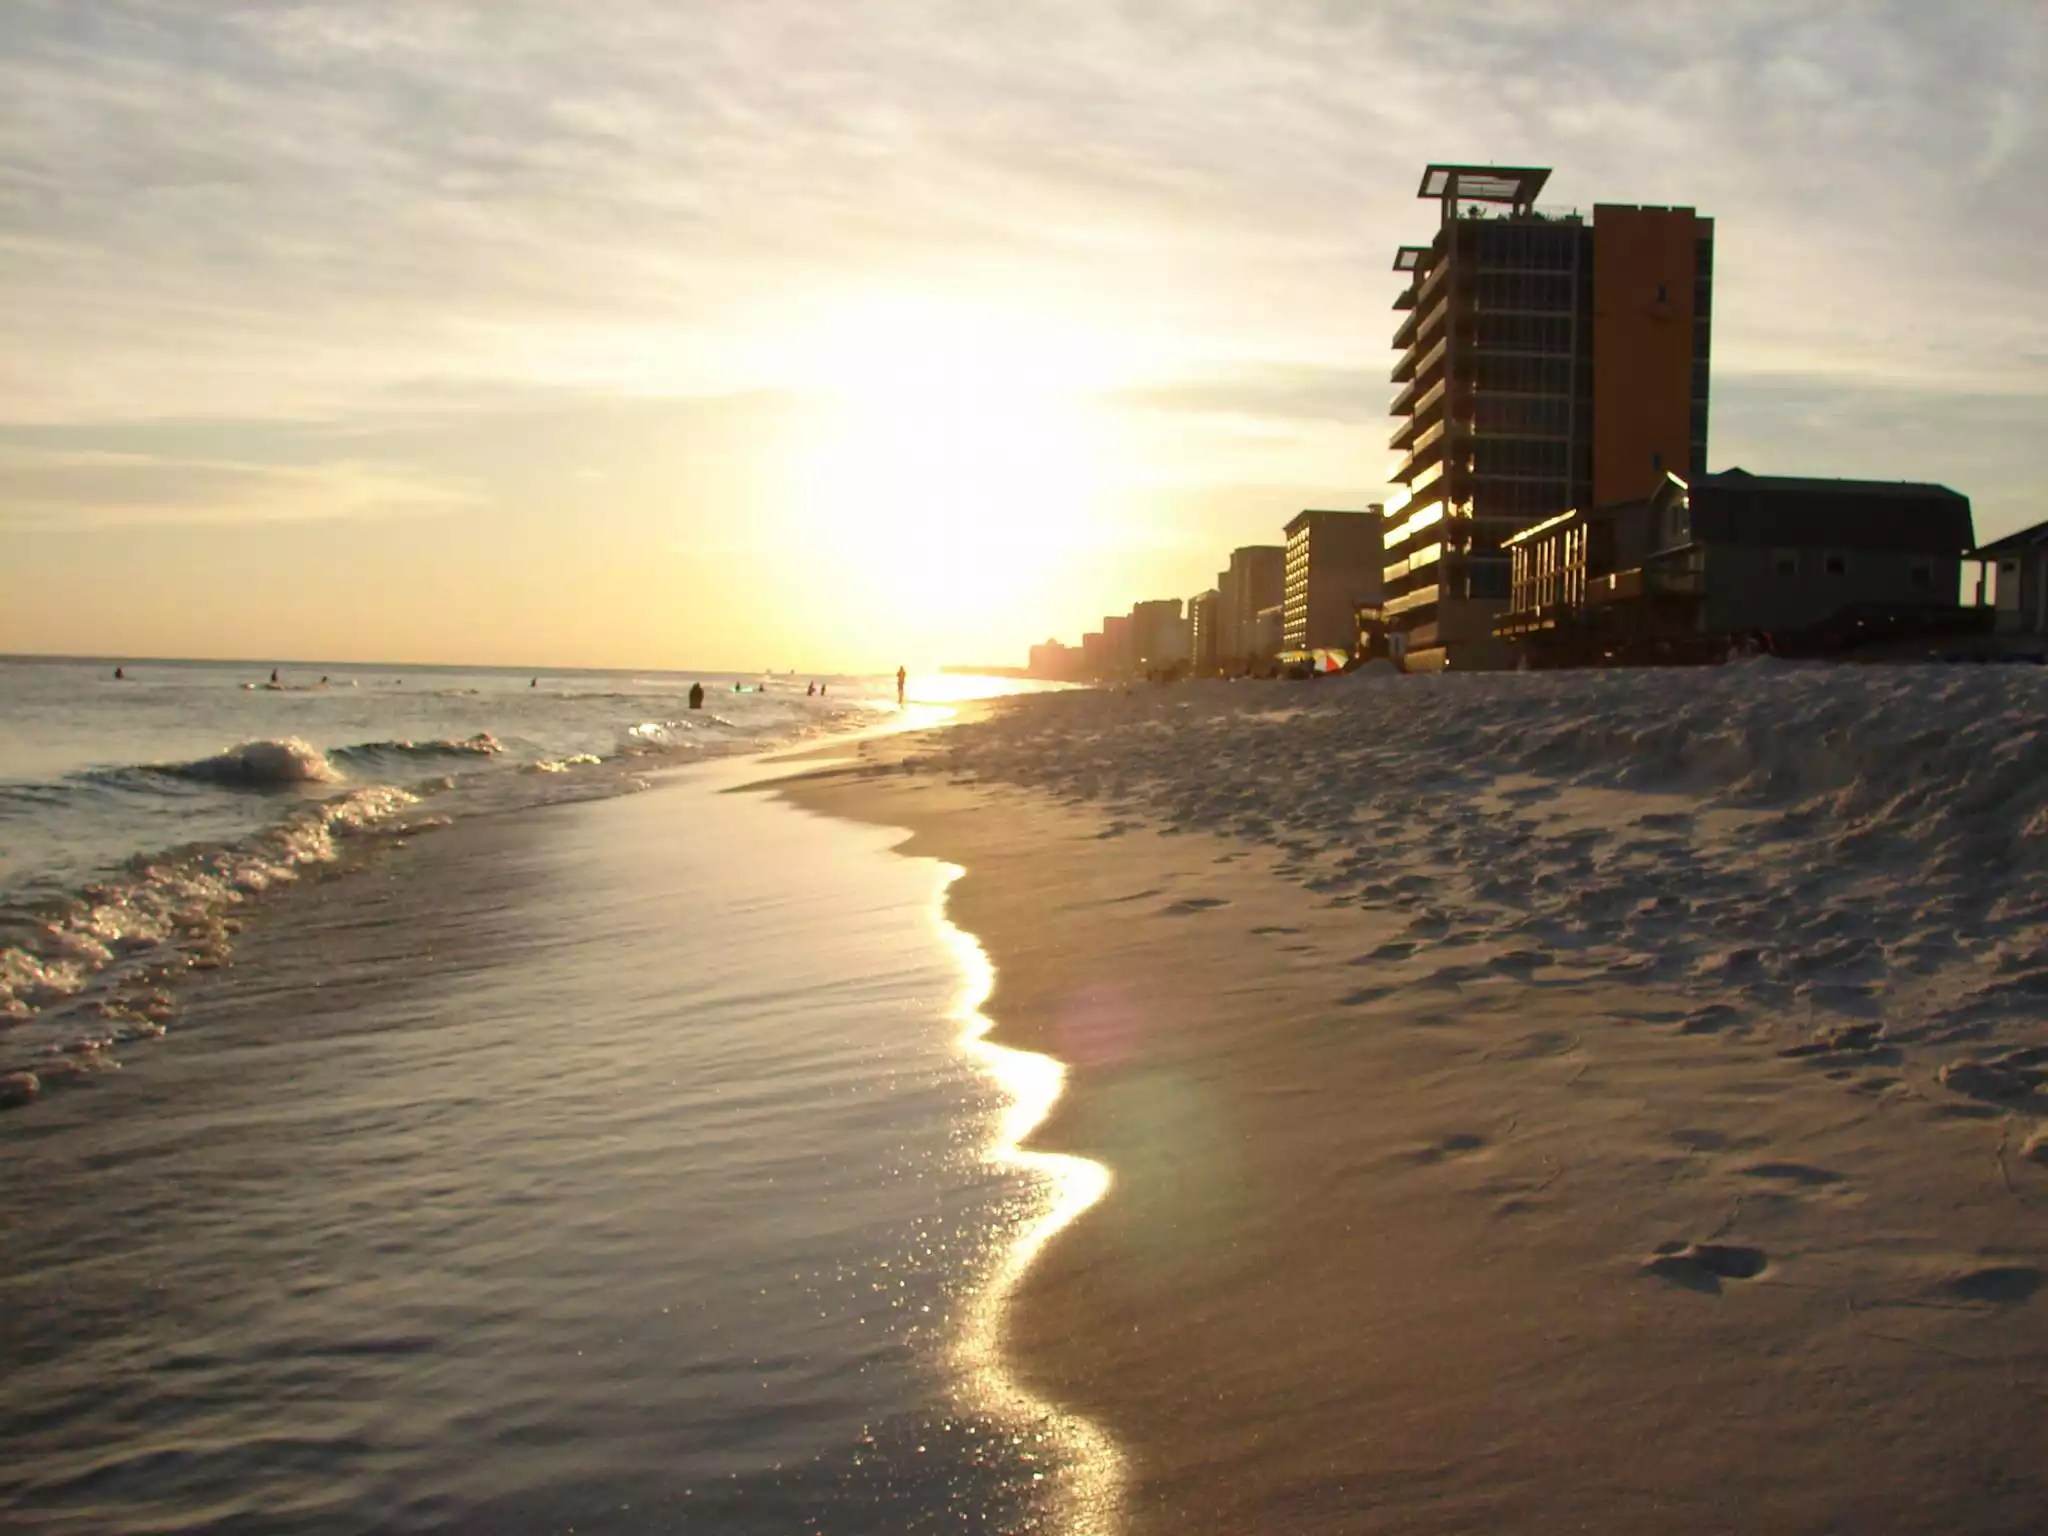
column 899, row 687
column 696, row 695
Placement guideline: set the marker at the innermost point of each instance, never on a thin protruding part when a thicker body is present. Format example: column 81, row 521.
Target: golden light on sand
column 1088, row 1495
column 959, row 459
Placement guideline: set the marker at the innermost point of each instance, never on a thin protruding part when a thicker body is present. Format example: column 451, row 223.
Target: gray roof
column 1740, row 508
column 2019, row 543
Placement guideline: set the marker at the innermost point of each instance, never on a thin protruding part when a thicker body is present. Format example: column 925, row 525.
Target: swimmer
column 696, row 695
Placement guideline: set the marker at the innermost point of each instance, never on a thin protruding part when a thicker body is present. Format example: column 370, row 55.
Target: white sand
column 1555, row 1102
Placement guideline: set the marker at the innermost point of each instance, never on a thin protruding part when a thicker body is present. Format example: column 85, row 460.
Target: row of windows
column 1525, row 290
column 1520, row 456
column 1835, row 562
column 1523, row 333
column 1523, row 246
column 1527, row 415
column 1524, row 500
column 1529, row 375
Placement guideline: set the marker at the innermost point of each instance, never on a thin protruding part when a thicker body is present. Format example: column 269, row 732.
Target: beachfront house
column 1703, row 562
column 2021, row 583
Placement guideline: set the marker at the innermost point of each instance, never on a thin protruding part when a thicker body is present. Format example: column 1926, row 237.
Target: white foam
column 172, row 907
column 261, row 764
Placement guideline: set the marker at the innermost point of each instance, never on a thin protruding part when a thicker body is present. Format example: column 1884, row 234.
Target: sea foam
column 259, row 765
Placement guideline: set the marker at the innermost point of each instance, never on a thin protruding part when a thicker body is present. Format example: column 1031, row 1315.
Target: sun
column 958, row 458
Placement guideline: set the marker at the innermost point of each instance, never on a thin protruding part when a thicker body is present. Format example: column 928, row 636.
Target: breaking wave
column 258, row 765
column 80, row 972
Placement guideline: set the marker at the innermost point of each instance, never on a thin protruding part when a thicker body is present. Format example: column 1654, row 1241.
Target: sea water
column 531, row 1156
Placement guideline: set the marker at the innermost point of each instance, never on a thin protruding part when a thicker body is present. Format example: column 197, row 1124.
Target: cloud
column 46, row 491
column 1278, row 391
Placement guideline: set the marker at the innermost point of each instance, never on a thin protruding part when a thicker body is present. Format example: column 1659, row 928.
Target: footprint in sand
column 1193, row 904
column 1364, row 995
column 1455, row 1145
column 1703, row 1266
column 1805, row 1175
column 1997, row 1284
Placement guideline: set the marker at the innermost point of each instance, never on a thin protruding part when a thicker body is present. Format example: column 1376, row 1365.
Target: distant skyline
column 814, row 336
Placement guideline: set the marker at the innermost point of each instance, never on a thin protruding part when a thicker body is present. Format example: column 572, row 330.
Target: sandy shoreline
column 1382, row 1251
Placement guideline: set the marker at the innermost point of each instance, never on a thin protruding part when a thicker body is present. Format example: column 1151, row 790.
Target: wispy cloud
column 86, row 491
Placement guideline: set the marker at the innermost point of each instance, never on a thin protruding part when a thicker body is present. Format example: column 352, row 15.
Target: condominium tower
column 1548, row 361
column 1332, row 570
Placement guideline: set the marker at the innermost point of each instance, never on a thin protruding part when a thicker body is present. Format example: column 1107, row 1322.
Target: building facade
column 1254, row 580
column 1548, row 361
column 1802, row 564
column 1159, row 636
column 1119, row 651
column 1202, row 633
column 1332, row 566
column 2020, row 585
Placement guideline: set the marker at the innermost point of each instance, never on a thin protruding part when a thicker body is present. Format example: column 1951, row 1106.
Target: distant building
column 1094, row 657
column 1332, row 566
column 2020, row 585
column 1548, row 361
column 1255, row 579
column 1055, row 661
column 1262, row 639
column 1120, row 656
column 1202, row 633
column 1159, row 635
column 1808, row 564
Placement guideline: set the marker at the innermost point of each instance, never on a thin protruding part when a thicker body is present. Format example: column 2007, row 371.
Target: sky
column 825, row 335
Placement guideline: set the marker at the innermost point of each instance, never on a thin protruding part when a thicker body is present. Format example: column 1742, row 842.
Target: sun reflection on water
column 1088, row 1497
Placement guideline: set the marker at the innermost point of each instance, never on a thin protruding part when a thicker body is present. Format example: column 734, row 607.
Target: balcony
column 1408, row 602
column 1403, row 402
column 1405, row 299
column 1431, row 282
column 1420, row 368
column 1432, row 360
column 1404, row 435
column 1404, row 337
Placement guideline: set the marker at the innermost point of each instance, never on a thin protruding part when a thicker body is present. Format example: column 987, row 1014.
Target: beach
column 1536, row 1104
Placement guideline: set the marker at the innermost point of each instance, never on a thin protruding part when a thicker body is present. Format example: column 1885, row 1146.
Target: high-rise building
column 1159, row 635
column 1119, row 654
column 1333, row 567
column 1253, row 581
column 1548, row 361
column 1202, row 633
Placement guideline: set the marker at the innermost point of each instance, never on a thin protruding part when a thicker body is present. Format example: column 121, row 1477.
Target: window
column 1786, row 561
column 1837, row 563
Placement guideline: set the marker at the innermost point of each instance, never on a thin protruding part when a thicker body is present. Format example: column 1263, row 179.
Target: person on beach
column 811, row 691
column 120, row 676
column 273, row 674
column 899, row 687
column 696, row 695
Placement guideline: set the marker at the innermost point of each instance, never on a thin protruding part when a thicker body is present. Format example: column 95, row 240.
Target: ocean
column 435, row 1102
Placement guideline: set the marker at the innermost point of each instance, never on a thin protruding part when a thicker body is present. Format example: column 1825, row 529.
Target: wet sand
column 1434, row 1242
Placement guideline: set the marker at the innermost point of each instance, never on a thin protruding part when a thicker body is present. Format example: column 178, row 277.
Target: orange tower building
column 1549, row 360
